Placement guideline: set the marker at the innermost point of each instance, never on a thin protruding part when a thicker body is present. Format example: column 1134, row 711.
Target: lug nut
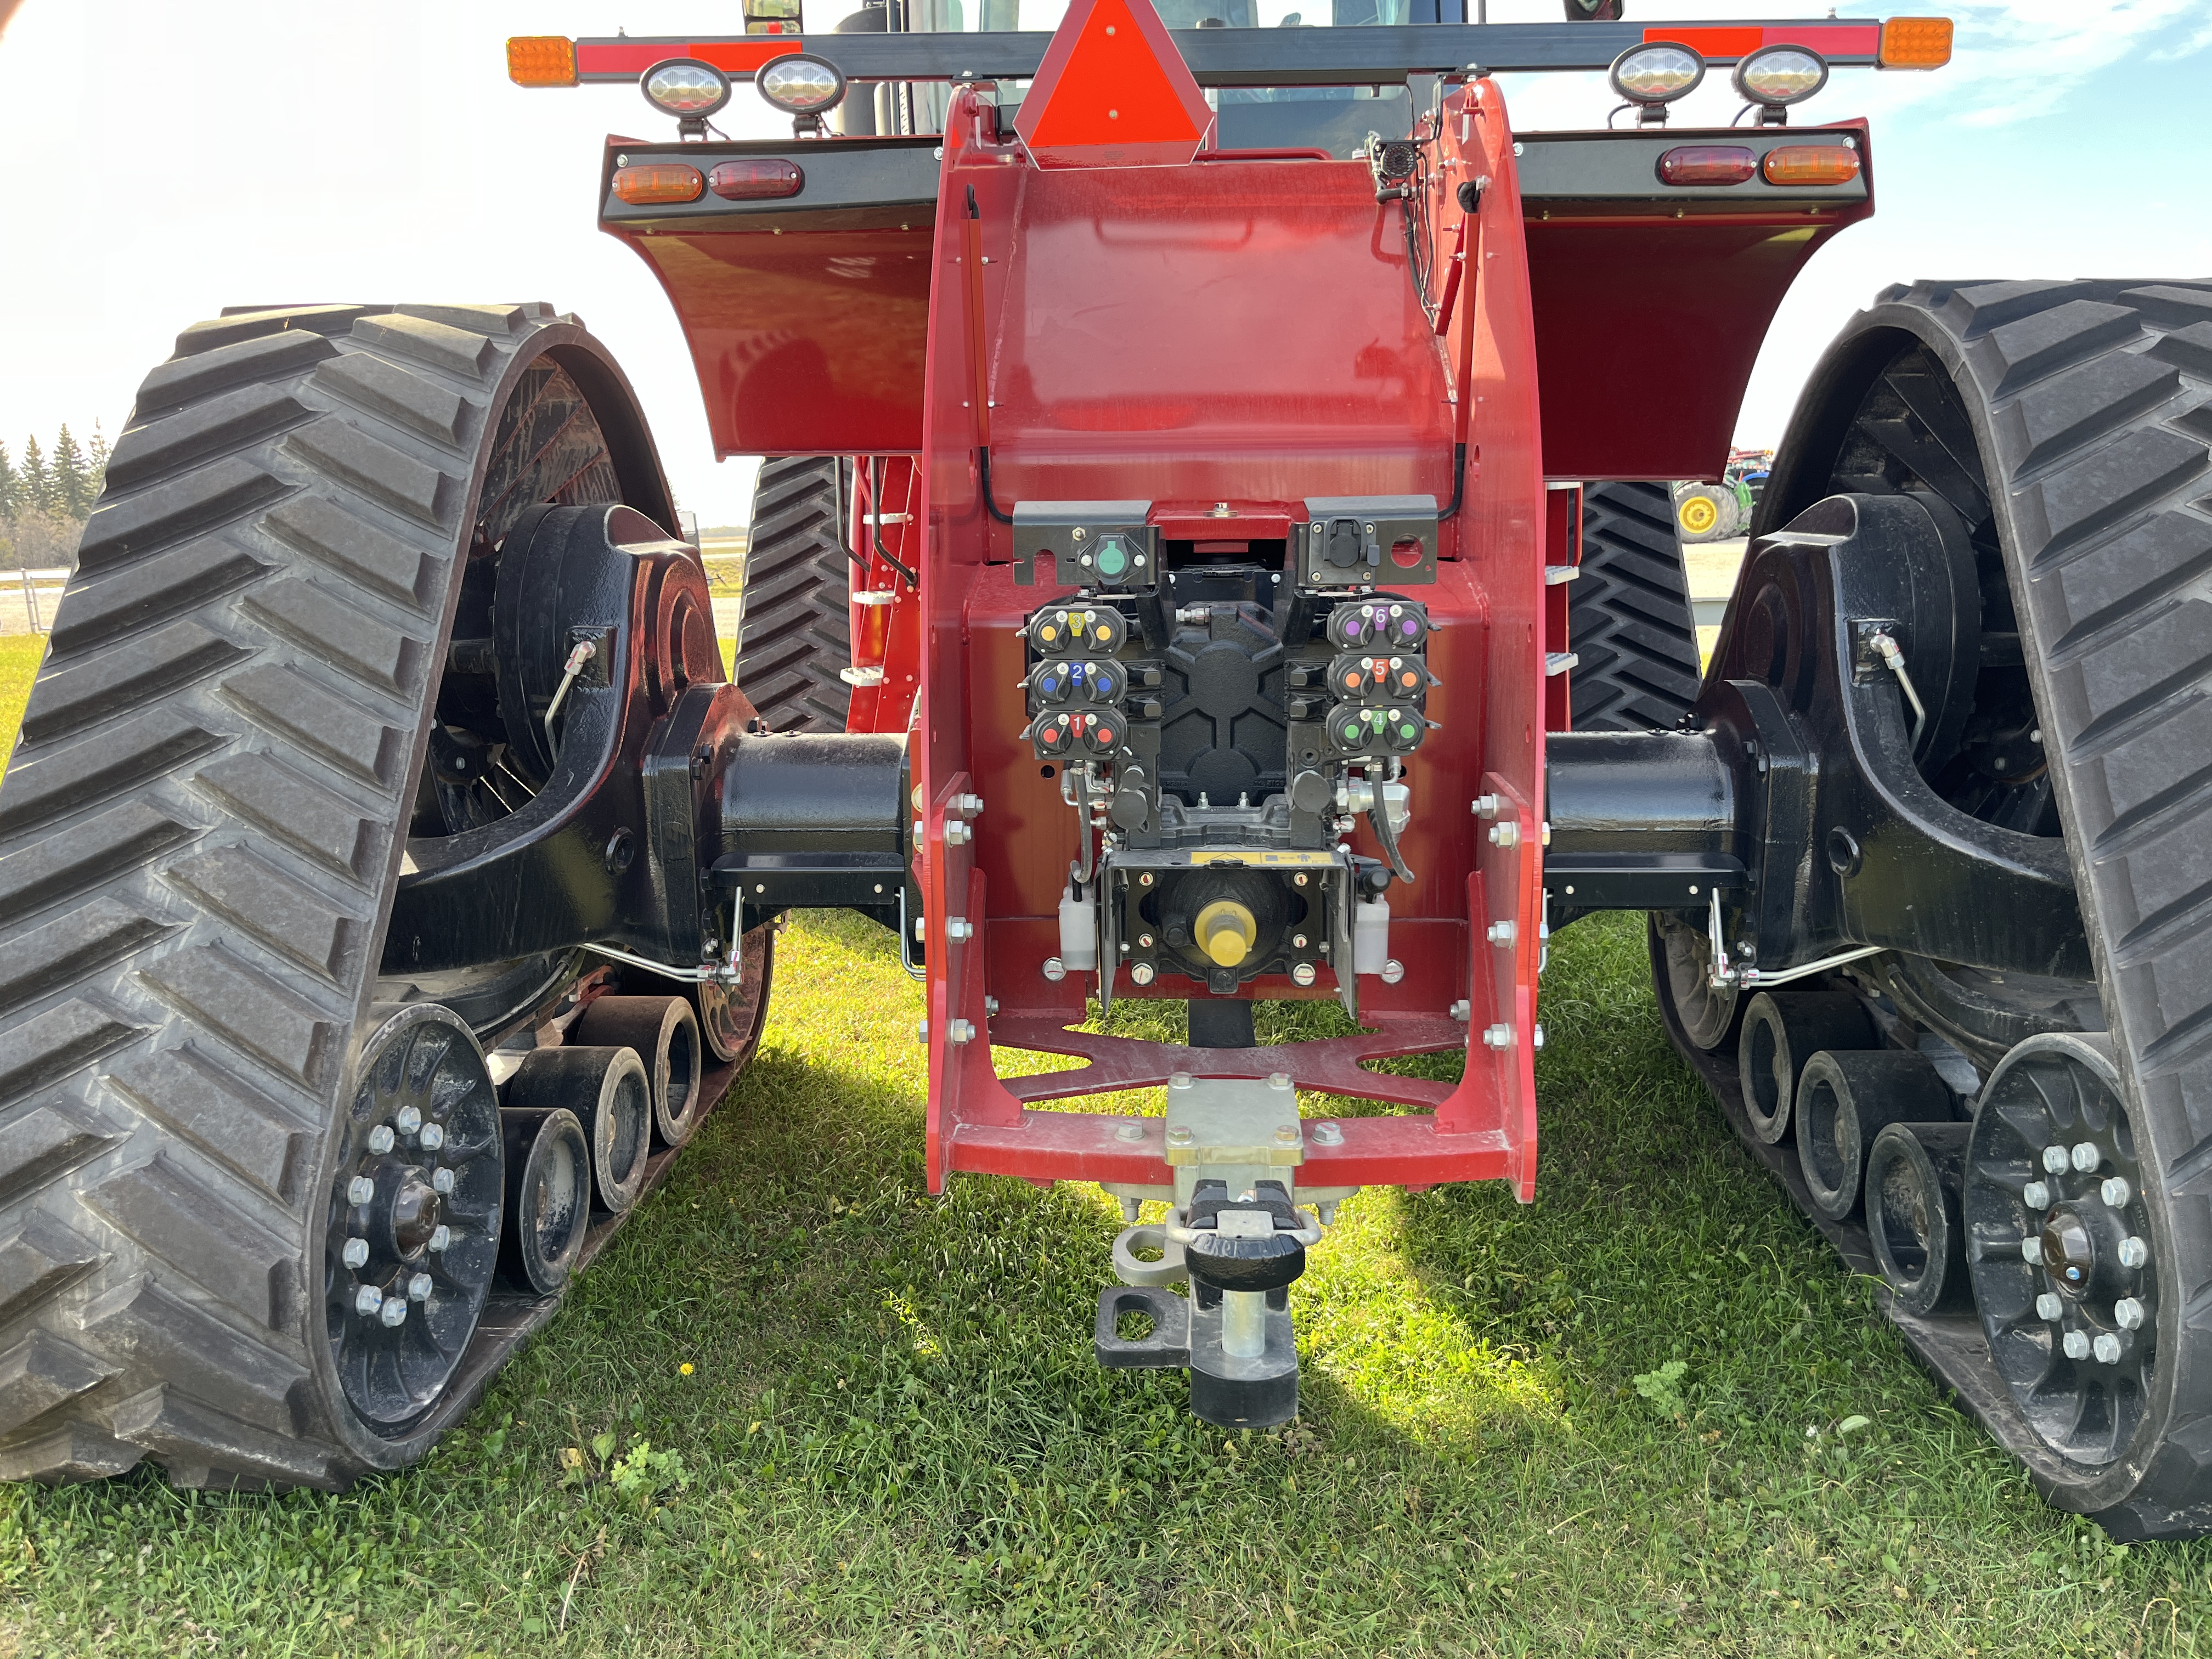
column 1327, row 1134
column 2048, row 1306
column 2128, row 1314
column 1501, row 932
column 2088, row 1156
column 961, row 1031
column 2115, row 1191
column 1179, row 1136
column 2055, row 1160
column 441, row 1181
column 379, row 1139
column 2107, row 1348
column 1054, row 970
column 2036, row 1195
column 2031, row 1251
column 1498, row 1036
column 360, row 1191
column 356, row 1253
column 2074, row 1345
column 1302, row 973
column 393, row 1313
column 419, row 1286
column 410, row 1119
column 1286, row 1134
column 1130, row 1132
column 1142, row 973
column 439, row 1237
column 433, row 1137
column 2134, row 1253
column 367, row 1299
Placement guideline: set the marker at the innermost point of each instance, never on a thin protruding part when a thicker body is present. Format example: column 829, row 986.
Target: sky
column 170, row 158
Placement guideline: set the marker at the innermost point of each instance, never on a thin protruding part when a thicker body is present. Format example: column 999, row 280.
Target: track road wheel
column 2067, row 425
column 1709, row 1018
column 207, row 1112
column 1629, row 621
column 797, row 634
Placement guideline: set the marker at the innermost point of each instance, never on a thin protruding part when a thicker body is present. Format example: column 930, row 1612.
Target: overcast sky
column 170, row 157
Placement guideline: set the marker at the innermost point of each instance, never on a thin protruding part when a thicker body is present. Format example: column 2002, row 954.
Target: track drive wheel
column 2067, row 425
column 250, row 1208
column 797, row 635
column 1629, row 621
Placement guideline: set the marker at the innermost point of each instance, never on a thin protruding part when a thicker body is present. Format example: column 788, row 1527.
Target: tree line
column 46, row 495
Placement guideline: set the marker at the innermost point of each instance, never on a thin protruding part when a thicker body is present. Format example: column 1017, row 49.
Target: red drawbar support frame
column 1131, row 332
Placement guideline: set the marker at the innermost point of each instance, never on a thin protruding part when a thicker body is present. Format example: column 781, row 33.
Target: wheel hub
column 2080, row 1249
column 414, row 1214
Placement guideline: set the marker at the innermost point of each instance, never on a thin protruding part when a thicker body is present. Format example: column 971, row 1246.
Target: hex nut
column 367, row 1299
column 2087, row 1156
column 2115, row 1191
column 1463, row 1011
column 2048, row 1306
column 1505, row 835
column 360, row 1190
column 2056, row 1160
column 1131, row 1132
column 2036, row 1195
column 1327, row 1134
column 1180, row 1135
column 1054, row 970
column 408, row 1119
column 961, row 1031
column 2129, row 1313
column 2107, row 1348
column 356, row 1253
column 441, row 1181
column 2075, row 1344
column 433, row 1138
column 2031, row 1251
column 1502, row 933
column 1498, row 1036
column 440, row 1239
column 380, row 1139
column 2134, row 1253
column 393, row 1313
column 419, row 1286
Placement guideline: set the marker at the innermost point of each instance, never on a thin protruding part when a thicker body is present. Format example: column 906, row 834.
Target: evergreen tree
column 11, row 487
column 96, row 470
column 72, row 499
column 38, row 483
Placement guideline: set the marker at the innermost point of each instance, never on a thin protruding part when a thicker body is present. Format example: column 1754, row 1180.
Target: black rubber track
column 2090, row 404
column 1629, row 622
column 797, row 633
column 199, row 837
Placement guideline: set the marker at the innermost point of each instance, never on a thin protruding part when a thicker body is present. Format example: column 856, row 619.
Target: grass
column 803, row 1406
column 20, row 656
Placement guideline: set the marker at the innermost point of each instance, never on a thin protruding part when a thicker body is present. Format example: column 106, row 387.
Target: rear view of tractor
column 1210, row 552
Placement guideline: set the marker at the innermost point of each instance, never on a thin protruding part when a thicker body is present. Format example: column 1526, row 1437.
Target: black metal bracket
column 1167, row 1347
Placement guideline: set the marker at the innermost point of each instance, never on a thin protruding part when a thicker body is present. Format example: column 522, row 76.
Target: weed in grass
column 897, row 1441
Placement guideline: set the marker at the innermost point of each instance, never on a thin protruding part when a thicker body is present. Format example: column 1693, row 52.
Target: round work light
column 686, row 88
column 1776, row 77
column 1654, row 75
column 801, row 84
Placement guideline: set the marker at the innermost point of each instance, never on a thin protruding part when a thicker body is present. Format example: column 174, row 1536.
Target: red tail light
column 1811, row 164
column 643, row 187
column 1707, row 164
column 741, row 182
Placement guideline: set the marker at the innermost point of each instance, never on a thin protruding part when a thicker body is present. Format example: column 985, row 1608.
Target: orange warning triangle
column 1112, row 91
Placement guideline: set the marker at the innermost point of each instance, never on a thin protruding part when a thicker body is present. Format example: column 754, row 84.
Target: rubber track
column 1629, row 622
column 798, row 626
column 198, row 840
column 2092, row 404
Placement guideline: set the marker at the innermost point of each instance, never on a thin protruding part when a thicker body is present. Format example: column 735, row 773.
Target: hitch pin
column 584, row 653
column 1885, row 648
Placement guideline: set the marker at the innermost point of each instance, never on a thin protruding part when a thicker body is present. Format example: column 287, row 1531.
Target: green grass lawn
column 803, row 1405
column 19, row 655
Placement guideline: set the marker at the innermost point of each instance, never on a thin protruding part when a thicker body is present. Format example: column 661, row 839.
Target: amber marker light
column 541, row 60
column 1916, row 43
column 643, row 186
column 1810, row 164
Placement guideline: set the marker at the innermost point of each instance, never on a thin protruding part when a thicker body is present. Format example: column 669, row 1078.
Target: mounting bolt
column 1393, row 971
column 2115, row 1191
column 1327, row 1134
column 356, row 1253
column 1179, row 1079
column 409, row 1119
column 2036, row 1195
column 1302, row 973
column 991, row 1007
column 1279, row 1080
column 1488, row 807
column 1463, row 1011
column 970, row 806
column 419, row 1286
column 2031, row 1251
column 440, row 1239
column 957, row 833
column 1286, row 1134
column 2048, row 1307
column 1180, row 1135
column 1536, row 1035
column 1498, row 1036
column 393, row 1313
column 957, row 928
column 367, row 1299
column 922, row 1030
column 2056, row 1160
column 2088, row 1156
column 360, row 1191
column 1502, row 932
column 433, row 1137
column 1054, row 970
column 379, row 1139
column 2074, row 1345
column 919, row 829
column 2107, row 1348
column 2128, row 1314
column 1130, row 1132
column 1141, row 974
column 961, row 1031
column 1505, row 835
column 2133, row 1252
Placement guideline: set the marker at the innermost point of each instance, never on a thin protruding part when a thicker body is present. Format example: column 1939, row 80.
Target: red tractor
column 1166, row 588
